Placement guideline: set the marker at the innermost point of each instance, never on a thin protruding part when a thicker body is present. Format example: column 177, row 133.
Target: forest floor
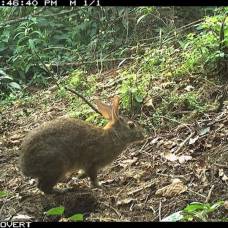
column 147, row 182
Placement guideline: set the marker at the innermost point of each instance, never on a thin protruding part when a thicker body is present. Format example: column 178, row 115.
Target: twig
column 221, row 166
column 72, row 91
column 196, row 193
column 91, row 62
column 178, row 30
column 172, row 120
column 84, row 99
column 114, row 209
column 141, row 188
column 143, row 146
column 159, row 211
column 61, row 48
column 123, row 189
column 113, row 83
column 184, row 142
column 209, row 194
column 174, row 176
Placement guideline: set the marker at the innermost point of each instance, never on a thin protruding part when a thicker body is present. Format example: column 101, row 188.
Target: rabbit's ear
column 115, row 108
column 105, row 109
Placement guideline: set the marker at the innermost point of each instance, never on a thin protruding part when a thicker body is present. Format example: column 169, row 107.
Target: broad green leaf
column 138, row 98
column 31, row 44
column 5, row 77
column 177, row 216
column 3, row 194
column 2, row 72
column 195, row 206
column 76, row 218
column 56, row 211
column 14, row 85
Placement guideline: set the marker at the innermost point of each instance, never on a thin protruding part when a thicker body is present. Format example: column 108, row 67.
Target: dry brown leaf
column 189, row 88
column 169, row 156
column 125, row 201
column 149, row 103
column 16, row 137
column 169, row 144
column 21, row 217
column 108, row 181
column 223, row 175
column 226, row 204
column 175, row 188
column 193, row 140
column 128, row 162
column 154, row 141
column 15, row 142
column 183, row 158
column 172, row 157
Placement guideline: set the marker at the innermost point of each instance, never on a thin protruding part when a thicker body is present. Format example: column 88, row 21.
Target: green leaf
column 139, row 98
column 76, row 218
column 177, row 216
column 15, row 85
column 195, row 206
column 56, row 211
column 31, row 44
column 2, row 72
column 140, row 18
column 3, row 194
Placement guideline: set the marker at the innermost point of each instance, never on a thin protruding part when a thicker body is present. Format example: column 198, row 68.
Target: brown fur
column 67, row 144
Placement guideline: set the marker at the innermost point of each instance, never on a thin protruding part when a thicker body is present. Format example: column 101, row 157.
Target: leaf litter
column 134, row 185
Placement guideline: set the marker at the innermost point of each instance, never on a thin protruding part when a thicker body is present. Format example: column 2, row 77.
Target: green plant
column 132, row 90
column 7, row 83
column 3, row 194
column 56, row 211
column 194, row 212
column 76, row 218
column 59, row 211
column 77, row 80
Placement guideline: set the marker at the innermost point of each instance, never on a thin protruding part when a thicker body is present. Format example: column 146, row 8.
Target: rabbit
column 67, row 144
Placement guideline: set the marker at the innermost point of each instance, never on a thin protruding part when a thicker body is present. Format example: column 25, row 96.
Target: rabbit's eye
column 131, row 124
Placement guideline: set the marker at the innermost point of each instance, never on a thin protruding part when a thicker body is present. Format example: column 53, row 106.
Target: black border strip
column 113, row 3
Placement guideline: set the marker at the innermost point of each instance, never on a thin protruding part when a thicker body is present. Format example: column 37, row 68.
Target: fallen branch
column 109, row 206
column 141, row 188
column 209, row 194
column 221, row 166
column 159, row 211
column 184, row 142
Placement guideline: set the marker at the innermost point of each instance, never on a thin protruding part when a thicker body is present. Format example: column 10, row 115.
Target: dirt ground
column 146, row 183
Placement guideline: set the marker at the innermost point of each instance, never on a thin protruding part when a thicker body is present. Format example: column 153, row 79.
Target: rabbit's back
column 58, row 144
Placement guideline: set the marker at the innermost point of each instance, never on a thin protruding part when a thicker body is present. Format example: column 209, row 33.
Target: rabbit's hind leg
column 82, row 174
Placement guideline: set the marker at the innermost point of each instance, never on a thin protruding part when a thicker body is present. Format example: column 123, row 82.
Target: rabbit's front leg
column 92, row 173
